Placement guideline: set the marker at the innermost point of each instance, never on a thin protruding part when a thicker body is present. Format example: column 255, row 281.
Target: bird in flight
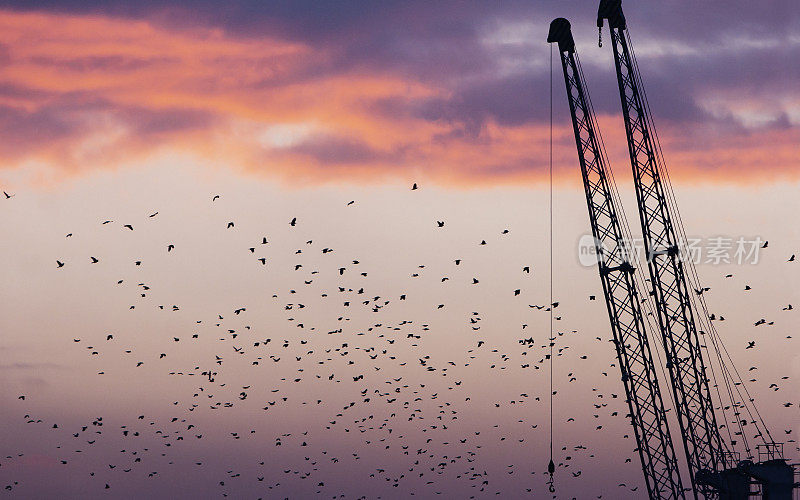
column 8, row 195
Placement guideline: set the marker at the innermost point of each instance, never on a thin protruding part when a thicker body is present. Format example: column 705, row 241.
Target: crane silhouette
column 715, row 470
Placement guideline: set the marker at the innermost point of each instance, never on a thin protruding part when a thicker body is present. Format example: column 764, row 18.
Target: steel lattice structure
column 645, row 403
column 711, row 476
column 690, row 384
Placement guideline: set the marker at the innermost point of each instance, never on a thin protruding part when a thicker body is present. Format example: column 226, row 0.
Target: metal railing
column 770, row 451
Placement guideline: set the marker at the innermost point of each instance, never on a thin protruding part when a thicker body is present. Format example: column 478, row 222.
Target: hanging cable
column 551, row 467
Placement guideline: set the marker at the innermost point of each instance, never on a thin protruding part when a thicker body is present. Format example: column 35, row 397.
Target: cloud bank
column 318, row 91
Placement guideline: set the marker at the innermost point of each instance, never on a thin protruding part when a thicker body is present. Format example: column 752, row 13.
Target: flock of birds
column 403, row 415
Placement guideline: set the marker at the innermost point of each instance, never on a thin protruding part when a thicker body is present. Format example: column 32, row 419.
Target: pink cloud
column 84, row 92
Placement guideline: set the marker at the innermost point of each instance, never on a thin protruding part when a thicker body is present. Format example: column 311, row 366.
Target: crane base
column 774, row 477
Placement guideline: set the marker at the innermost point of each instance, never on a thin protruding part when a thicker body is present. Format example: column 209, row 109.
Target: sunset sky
column 116, row 110
column 314, row 91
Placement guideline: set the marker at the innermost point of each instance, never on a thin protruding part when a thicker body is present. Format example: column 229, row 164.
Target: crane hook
column 551, row 468
column 599, row 36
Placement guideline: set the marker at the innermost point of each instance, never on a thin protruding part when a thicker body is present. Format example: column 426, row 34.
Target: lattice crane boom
column 690, row 384
column 654, row 443
column 711, row 473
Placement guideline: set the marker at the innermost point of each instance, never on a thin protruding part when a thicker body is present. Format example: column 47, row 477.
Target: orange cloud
column 82, row 92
